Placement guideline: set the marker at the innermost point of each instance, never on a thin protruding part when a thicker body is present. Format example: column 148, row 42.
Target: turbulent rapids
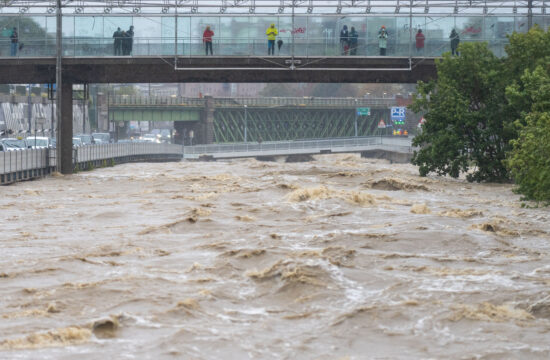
column 337, row 258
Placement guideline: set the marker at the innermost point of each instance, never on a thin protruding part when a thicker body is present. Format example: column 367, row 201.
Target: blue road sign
column 398, row 113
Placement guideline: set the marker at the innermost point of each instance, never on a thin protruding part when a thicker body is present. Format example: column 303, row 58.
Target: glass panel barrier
column 438, row 30
column 246, row 36
column 378, row 43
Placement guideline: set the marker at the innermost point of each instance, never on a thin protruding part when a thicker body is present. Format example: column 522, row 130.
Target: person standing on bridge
column 455, row 40
column 14, row 41
column 353, row 41
column 124, row 42
column 129, row 40
column 420, row 42
column 207, row 40
column 117, row 35
column 382, row 40
column 344, row 40
column 271, row 33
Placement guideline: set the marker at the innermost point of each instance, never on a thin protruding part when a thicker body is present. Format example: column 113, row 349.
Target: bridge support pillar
column 208, row 121
column 65, row 132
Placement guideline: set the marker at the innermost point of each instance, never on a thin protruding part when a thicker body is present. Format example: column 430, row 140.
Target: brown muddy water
column 338, row 258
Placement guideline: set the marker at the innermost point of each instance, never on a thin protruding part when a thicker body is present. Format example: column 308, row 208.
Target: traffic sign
column 381, row 124
column 398, row 113
column 363, row 111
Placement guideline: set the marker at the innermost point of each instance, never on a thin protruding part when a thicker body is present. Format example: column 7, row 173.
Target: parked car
column 102, row 138
column 39, row 142
column 77, row 142
column 12, row 144
column 85, row 139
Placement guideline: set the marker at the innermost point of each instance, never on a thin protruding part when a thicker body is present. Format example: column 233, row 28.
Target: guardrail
column 193, row 46
column 402, row 145
column 131, row 100
column 32, row 163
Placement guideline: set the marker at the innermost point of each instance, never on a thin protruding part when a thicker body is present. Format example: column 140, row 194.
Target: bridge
column 393, row 145
column 34, row 163
column 71, row 42
column 233, row 120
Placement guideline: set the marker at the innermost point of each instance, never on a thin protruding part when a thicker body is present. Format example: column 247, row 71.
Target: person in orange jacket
column 207, row 40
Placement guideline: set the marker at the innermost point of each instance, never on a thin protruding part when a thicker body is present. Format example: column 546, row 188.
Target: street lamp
column 245, row 123
column 356, row 110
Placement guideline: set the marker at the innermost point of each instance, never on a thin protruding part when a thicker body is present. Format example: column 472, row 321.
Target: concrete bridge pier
column 65, row 129
column 208, row 121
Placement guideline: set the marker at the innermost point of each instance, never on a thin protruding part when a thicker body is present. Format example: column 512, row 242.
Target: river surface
column 336, row 258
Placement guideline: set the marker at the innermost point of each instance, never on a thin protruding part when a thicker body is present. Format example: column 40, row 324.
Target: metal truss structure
column 276, row 124
column 280, row 7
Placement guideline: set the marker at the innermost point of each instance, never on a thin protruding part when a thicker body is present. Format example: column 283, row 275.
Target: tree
column 529, row 160
column 525, row 52
column 467, row 128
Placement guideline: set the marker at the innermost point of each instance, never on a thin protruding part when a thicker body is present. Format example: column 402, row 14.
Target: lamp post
column 245, row 123
column 355, row 117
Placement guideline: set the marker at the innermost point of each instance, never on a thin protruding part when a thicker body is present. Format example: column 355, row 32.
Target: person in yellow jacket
column 271, row 33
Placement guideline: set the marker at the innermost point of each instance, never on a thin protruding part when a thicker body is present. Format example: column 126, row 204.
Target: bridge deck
column 144, row 69
column 305, row 147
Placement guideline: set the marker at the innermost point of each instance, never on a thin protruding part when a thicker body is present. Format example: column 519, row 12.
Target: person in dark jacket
column 130, row 40
column 344, row 40
column 117, row 44
column 124, row 42
column 14, row 41
column 455, row 40
column 353, row 41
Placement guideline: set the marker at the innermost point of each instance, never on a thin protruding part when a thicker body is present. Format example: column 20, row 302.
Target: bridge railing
column 23, row 160
column 232, row 46
column 114, row 151
column 29, row 163
column 303, row 101
column 269, row 147
column 131, row 100
column 155, row 100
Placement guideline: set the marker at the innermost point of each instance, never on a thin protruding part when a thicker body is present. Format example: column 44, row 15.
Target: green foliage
column 527, row 51
column 466, row 129
column 529, row 160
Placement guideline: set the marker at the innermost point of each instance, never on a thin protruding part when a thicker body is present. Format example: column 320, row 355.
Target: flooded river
column 337, row 258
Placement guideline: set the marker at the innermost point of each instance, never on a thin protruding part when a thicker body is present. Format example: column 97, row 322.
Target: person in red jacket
column 207, row 40
column 420, row 42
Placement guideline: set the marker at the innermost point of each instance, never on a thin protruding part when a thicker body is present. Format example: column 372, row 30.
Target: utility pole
column 355, row 117
column 529, row 14
column 58, row 83
column 245, row 122
column 29, row 111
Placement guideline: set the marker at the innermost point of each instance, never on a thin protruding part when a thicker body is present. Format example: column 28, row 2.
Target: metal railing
column 130, row 100
column 235, row 46
column 113, row 151
column 23, row 160
column 301, row 146
column 29, row 163
column 133, row 100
